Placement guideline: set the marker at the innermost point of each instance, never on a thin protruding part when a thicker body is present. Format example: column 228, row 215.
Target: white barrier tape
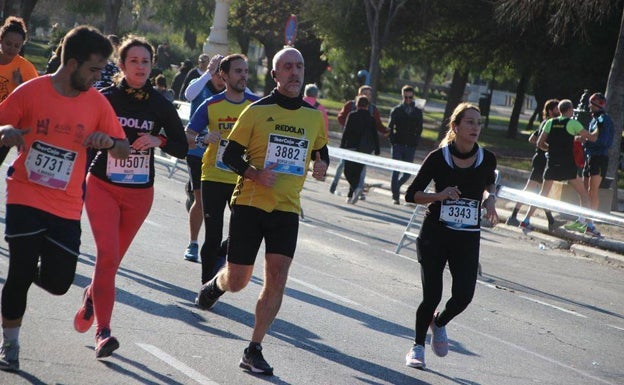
column 374, row 160
column 508, row 193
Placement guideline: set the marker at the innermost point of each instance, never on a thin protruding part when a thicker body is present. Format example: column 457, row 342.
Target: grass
column 37, row 52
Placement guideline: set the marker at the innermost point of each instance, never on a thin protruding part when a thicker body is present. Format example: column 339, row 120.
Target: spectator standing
column 202, row 64
column 342, row 120
column 163, row 56
column 597, row 153
column 43, row 211
column 310, row 93
column 272, row 163
column 538, row 164
column 161, row 87
column 359, row 135
column 111, row 69
column 178, row 78
column 405, row 126
column 557, row 138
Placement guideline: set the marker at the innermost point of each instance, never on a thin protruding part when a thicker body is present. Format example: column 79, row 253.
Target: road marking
column 553, row 306
column 323, row 291
column 616, row 327
column 399, row 255
column 153, row 223
column 345, row 237
column 180, row 366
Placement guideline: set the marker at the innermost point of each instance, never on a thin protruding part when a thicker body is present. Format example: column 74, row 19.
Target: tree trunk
column 615, row 108
column 428, row 80
column 374, row 68
column 27, row 9
column 455, row 96
column 270, row 49
column 512, row 129
column 112, row 9
column 190, row 38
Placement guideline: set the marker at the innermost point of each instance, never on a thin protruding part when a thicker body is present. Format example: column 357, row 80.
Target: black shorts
column 538, row 164
column 23, row 221
column 560, row 172
column 194, row 165
column 250, row 225
column 596, row 165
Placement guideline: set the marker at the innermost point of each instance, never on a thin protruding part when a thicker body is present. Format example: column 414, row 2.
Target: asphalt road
column 540, row 315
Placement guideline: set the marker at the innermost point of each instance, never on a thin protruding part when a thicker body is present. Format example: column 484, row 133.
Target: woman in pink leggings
column 119, row 193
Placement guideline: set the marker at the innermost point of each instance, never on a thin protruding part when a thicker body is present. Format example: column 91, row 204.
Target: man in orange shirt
column 53, row 121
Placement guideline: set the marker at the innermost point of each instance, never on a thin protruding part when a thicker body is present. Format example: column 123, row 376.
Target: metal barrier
column 172, row 164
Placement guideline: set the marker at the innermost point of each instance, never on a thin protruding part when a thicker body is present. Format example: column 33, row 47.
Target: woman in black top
column 120, row 193
column 360, row 134
column 461, row 171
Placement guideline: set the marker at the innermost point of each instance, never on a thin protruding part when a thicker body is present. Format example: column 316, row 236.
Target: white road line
column 553, row 306
column 323, row 291
column 461, row 325
column 153, row 223
column 180, row 366
column 345, row 237
column 616, row 327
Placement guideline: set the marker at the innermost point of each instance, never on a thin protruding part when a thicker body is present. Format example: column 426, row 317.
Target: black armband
column 233, row 157
column 112, row 146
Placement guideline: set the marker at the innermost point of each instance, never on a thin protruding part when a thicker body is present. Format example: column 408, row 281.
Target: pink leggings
column 116, row 214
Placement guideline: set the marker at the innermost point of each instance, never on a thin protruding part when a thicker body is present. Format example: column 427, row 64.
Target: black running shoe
column 254, row 361
column 208, row 295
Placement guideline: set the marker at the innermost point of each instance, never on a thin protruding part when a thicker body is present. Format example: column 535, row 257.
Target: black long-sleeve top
column 154, row 115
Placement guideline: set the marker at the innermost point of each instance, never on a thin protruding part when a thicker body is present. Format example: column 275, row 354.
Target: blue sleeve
column 605, row 136
column 199, row 120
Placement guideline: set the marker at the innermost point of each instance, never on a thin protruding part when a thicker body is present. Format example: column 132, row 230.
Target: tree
column 380, row 30
column 112, row 8
column 566, row 20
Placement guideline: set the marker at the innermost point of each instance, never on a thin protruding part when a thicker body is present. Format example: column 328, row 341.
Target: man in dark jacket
column 405, row 125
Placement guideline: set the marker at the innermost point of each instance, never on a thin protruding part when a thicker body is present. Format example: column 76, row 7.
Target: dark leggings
column 353, row 172
column 55, row 274
column 436, row 246
column 215, row 196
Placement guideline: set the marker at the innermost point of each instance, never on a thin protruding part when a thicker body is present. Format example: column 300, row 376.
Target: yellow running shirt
column 277, row 130
column 222, row 114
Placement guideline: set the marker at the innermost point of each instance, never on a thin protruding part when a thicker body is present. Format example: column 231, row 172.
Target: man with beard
column 53, row 121
column 218, row 114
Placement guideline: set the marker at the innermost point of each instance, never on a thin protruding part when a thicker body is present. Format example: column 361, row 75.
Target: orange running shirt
column 7, row 84
column 49, row 173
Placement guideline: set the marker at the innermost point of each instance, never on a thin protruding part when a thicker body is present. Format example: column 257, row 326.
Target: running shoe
column 207, row 296
column 591, row 230
column 396, row 202
column 192, row 252
column 9, row 357
column 439, row 340
column 105, row 344
column 512, row 221
column 415, row 358
column 356, row 195
column 84, row 316
column 254, row 361
column 576, row 226
column 526, row 226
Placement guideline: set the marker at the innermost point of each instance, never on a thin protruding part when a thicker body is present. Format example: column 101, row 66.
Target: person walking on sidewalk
column 359, row 135
column 405, row 126
column 538, row 164
column 270, row 147
column 462, row 171
column 45, row 181
column 557, row 138
column 218, row 113
column 597, row 153
column 119, row 195
column 342, row 120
